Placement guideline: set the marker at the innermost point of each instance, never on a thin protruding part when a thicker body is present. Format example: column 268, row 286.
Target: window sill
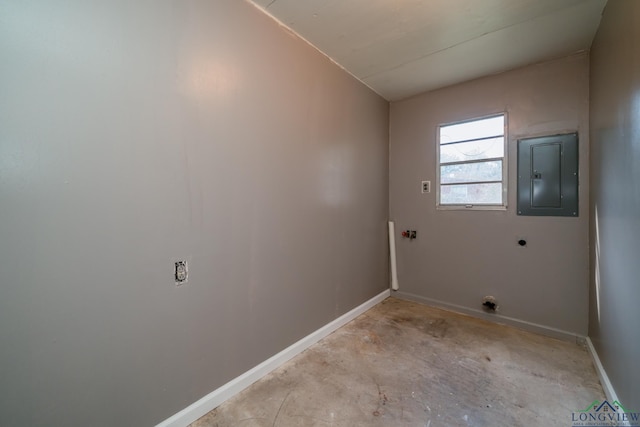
column 471, row 207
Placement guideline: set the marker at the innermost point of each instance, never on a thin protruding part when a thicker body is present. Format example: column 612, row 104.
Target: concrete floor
column 406, row 364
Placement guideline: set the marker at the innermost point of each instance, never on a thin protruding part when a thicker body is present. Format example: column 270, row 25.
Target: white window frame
column 505, row 173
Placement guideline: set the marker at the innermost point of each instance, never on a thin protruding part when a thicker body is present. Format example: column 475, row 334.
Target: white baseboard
column 602, row 374
column 604, row 380
column 495, row 317
column 235, row 386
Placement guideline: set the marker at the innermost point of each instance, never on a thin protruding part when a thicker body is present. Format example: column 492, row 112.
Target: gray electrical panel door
column 548, row 176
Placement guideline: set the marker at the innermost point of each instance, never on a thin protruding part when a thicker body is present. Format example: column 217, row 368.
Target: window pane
column 471, row 194
column 471, row 172
column 476, row 150
column 483, row 128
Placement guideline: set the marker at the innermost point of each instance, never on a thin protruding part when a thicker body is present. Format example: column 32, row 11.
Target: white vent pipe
column 392, row 255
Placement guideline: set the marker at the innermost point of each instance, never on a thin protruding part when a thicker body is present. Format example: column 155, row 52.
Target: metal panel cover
column 548, row 176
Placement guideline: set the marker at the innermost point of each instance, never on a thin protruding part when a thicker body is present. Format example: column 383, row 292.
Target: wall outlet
column 181, row 272
column 426, row 187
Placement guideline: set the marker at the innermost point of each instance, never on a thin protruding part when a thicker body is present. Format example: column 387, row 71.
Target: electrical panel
column 548, row 175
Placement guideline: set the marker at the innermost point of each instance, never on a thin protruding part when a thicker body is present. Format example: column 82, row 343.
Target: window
column 472, row 170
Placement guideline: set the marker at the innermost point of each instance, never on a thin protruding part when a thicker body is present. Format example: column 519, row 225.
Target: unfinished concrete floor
column 406, row 364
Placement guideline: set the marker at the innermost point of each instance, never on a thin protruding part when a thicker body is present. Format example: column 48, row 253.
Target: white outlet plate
column 426, row 187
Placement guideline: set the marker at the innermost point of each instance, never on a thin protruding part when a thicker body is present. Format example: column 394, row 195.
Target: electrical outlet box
column 181, row 272
column 426, row 187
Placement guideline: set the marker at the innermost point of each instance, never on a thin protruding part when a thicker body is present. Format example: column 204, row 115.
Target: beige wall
column 135, row 133
column 615, row 198
column 461, row 256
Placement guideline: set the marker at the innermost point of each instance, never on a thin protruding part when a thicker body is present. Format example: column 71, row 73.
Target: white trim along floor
column 402, row 363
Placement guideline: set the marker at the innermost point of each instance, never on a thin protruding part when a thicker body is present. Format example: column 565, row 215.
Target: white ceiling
column 400, row 48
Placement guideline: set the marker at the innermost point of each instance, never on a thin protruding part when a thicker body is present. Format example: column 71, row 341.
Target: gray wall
column 134, row 133
column 461, row 256
column 615, row 197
